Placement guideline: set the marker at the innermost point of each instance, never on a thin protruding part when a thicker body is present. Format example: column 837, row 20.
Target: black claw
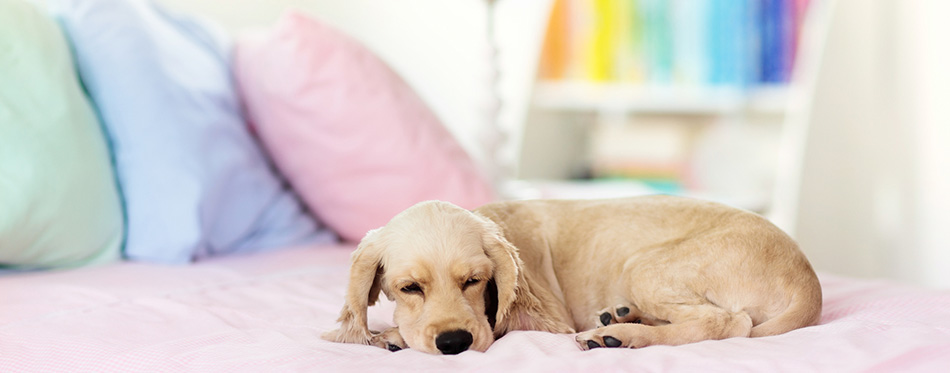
column 611, row 342
column 605, row 318
column 623, row 311
column 593, row 344
column 392, row 347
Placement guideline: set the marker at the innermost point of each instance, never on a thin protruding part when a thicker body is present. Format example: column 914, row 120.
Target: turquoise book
column 690, row 53
column 658, row 40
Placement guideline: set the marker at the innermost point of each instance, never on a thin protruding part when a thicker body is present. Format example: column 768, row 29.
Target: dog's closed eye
column 470, row 282
column 412, row 288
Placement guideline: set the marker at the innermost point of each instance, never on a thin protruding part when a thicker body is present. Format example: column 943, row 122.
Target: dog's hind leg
column 622, row 313
column 688, row 323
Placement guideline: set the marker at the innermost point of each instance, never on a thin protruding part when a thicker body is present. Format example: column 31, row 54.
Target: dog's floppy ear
column 521, row 303
column 363, row 291
column 507, row 272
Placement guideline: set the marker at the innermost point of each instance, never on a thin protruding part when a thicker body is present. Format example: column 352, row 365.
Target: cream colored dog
column 625, row 273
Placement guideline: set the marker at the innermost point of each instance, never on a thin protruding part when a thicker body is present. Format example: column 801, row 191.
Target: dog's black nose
column 451, row 343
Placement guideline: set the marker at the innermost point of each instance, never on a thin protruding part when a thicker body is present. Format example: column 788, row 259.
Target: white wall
column 875, row 173
column 923, row 32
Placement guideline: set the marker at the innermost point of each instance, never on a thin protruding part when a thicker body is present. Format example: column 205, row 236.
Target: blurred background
column 830, row 117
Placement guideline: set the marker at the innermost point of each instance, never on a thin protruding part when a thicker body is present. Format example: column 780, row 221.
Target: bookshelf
column 632, row 99
column 700, row 90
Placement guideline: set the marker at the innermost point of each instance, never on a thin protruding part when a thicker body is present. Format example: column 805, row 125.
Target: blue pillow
column 195, row 182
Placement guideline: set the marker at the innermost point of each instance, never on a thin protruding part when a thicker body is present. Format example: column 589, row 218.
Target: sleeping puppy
column 632, row 272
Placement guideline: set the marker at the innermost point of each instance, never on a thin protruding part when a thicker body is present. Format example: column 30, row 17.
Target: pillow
column 58, row 200
column 195, row 181
column 352, row 137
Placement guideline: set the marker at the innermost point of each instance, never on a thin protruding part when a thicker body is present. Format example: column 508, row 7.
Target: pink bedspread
column 266, row 312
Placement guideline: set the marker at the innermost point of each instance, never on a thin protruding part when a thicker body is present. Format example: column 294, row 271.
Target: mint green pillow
column 58, row 201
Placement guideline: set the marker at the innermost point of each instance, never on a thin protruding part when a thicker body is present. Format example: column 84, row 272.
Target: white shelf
column 598, row 189
column 626, row 98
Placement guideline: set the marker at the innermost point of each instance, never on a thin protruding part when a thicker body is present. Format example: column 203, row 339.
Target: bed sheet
column 265, row 312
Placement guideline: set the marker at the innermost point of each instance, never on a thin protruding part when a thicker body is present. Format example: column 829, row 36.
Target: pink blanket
column 266, row 313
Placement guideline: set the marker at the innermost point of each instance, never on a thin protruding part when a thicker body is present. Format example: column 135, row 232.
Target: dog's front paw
column 389, row 339
column 616, row 335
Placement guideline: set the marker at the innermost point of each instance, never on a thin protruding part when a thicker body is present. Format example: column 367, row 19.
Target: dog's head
column 450, row 271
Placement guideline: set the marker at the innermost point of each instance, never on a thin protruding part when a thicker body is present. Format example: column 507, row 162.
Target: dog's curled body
column 627, row 272
column 712, row 271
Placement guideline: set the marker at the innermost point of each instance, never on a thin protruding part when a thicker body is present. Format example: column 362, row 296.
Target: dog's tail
column 804, row 310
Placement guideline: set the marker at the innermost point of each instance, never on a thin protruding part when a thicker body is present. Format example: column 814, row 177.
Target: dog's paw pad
column 590, row 341
column 616, row 335
column 611, row 342
column 622, row 313
column 587, row 341
column 618, row 314
column 606, row 318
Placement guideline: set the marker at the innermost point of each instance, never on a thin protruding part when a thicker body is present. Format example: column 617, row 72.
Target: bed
column 265, row 312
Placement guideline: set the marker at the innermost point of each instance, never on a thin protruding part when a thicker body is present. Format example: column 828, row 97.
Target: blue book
column 772, row 20
column 716, row 41
column 733, row 42
column 749, row 41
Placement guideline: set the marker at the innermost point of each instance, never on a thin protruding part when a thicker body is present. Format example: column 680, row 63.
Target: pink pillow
column 352, row 137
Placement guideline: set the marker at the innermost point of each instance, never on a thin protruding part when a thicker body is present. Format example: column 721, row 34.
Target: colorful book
column 733, row 43
column 628, row 43
column 555, row 51
column 658, row 40
column 797, row 13
column 581, row 25
column 772, row 31
column 690, row 51
column 601, row 47
column 736, row 43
